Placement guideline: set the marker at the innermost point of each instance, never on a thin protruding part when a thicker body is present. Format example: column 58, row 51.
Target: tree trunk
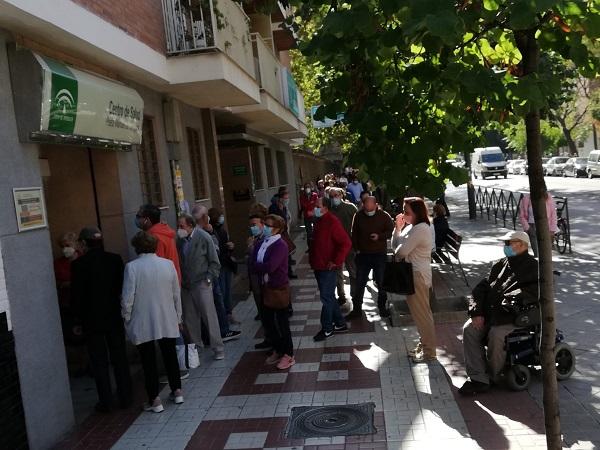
column 569, row 138
column 529, row 49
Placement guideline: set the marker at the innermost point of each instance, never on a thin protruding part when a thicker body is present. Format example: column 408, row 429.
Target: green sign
column 292, row 94
column 76, row 102
column 63, row 99
column 239, row 171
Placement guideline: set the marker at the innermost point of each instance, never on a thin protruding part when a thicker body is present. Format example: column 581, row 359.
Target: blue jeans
column 225, row 285
column 330, row 312
column 365, row 262
column 220, row 307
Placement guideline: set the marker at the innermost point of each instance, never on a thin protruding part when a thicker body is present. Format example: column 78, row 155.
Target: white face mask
column 370, row 213
column 68, row 252
column 307, row 190
column 182, row 233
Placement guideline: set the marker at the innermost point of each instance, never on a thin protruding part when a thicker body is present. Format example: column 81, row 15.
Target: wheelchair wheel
column 565, row 361
column 518, row 377
column 561, row 238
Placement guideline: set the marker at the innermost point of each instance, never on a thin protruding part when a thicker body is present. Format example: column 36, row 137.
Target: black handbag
column 398, row 278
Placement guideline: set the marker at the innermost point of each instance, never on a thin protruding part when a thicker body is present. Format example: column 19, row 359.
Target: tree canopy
column 419, row 79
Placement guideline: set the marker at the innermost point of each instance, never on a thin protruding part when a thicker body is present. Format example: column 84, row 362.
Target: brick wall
column 142, row 19
column 13, row 433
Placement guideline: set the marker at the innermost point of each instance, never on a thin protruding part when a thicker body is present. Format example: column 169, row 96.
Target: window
column 195, row 151
column 148, row 165
column 269, row 166
column 257, row 178
column 281, row 167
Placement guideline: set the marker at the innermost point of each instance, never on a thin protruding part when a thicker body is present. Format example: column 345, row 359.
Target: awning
column 72, row 106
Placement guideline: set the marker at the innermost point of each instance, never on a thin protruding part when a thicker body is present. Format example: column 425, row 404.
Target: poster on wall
column 30, row 208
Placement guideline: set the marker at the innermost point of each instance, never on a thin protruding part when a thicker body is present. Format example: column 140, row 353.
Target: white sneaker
column 155, row 407
column 176, row 397
column 219, row 356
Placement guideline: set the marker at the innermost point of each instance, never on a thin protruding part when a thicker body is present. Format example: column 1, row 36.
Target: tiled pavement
column 240, row 403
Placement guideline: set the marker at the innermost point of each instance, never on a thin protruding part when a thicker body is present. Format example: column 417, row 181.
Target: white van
column 488, row 162
column 593, row 164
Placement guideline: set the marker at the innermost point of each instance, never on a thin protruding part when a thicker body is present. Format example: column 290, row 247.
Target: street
column 584, row 204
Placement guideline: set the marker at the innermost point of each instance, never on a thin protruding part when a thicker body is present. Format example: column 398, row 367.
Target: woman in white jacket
column 412, row 242
column 151, row 308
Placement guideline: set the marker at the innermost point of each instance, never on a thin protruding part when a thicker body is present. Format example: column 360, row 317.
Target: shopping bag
column 398, row 278
column 187, row 355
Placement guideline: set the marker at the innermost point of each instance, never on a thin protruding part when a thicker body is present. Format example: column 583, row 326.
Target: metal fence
column 503, row 206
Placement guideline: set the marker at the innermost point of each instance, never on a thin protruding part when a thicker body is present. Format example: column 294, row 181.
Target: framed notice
column 30, row 208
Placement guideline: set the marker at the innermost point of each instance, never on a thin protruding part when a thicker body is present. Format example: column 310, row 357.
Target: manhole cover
column 338, row 420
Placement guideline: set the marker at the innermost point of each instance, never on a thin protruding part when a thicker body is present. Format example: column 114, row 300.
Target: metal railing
column 503, row 205
column 193, row 26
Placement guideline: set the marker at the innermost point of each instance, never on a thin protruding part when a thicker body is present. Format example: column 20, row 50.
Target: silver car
column 556, row 165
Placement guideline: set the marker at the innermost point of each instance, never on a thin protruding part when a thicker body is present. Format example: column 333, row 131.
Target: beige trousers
column 420, row 310
column 474, row 341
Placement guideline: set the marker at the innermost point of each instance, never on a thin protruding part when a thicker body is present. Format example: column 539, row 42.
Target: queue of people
column 179, row 286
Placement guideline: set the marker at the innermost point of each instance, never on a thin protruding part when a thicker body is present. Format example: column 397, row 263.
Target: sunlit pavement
column 241, row 403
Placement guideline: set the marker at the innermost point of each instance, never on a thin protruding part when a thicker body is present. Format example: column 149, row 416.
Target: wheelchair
column 523, row 351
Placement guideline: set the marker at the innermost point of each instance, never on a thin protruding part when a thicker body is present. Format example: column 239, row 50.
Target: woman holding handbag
column 270, row 263
column 412, row 242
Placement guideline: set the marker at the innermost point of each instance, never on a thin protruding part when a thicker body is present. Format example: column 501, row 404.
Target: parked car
column 575, row 167
column 520, row 167
column 544, row 164
column 488, row 162
column 593, row 164
column 510, row 164
column 556, row 165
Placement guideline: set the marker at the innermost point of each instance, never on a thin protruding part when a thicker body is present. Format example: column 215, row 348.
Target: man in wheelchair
column 511, row 287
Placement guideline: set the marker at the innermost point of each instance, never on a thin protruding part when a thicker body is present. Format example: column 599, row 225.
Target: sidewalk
column 240, row 403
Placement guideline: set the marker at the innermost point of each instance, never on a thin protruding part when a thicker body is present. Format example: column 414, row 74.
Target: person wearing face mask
column 96, row 283
column 228, row 264
column 327, row 255
column 355, row 187
column 412, row 242
column 308, row 201
column 148, row 219
column 345, row 212
column 281, row 208
column 371, row 228
column 200, row 268
column 514, row 280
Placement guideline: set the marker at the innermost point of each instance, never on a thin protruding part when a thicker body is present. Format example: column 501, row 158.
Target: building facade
column 106, row 105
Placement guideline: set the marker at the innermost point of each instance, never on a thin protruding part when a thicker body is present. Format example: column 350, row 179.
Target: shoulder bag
column 398, row 278
column 276, row 298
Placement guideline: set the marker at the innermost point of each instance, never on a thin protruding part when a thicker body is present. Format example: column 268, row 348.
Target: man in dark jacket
column 371, row 229
column 96, row 283
column 330, row 246
column 512, row 284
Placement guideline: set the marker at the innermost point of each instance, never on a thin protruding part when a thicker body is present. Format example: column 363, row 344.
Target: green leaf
column 491, row 5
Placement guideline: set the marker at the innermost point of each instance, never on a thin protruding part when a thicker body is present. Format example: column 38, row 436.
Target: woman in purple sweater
column 270, row 263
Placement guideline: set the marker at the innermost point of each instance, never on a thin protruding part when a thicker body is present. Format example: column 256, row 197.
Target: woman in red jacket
column 329, row 249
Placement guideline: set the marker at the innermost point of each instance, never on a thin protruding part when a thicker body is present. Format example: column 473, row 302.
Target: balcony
column 209, row 46
column 281, row 109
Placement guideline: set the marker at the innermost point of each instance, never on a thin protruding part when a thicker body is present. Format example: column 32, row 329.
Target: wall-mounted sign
column 75, row 102
column 239, row 171
column 30, row 208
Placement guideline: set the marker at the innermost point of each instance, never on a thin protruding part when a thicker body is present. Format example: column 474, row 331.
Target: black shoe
column 322, row 335
column 102, row 408
column 341, row 301
column 384, row 313
column 290, row 312
column 264, row 345
column 355, row 314
column 292, row 276
column 292, row 262
column 340, row 329
column 473, row 388
column 257, row 317
column 230, row 335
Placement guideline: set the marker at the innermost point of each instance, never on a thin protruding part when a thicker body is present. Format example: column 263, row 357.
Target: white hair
column 199, row 211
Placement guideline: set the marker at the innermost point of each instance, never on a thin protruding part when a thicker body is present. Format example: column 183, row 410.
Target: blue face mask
column 317, row 212
column 255, row 230
column 221, row 220
column 336, row 201
column 508, row 251
column 267, row 231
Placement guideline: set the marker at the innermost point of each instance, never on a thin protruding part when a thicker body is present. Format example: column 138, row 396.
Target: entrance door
column 238, row 192
column 83, row 189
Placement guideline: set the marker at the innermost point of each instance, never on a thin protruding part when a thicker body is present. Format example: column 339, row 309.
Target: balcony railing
column 268, row 68
column 193, row 26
